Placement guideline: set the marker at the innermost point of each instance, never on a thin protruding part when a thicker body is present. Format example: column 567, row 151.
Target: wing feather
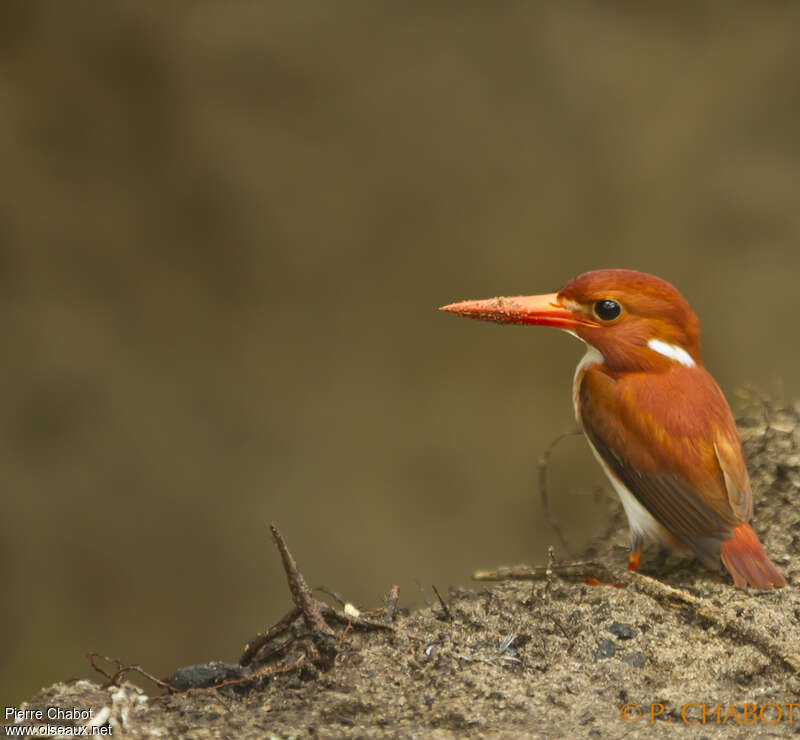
column 670, row 438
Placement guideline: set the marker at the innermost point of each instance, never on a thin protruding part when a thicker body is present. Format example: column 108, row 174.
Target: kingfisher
column 653, row 416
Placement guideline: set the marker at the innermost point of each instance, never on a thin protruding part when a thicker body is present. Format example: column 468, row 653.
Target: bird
column 654, row 417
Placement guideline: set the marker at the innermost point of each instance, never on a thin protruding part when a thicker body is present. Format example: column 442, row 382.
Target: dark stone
column 635, row 659
column 209, row 674
column 605, row 649
column 622, row 631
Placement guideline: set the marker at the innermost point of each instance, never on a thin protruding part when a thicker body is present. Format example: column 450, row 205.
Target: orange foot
column 634, row 560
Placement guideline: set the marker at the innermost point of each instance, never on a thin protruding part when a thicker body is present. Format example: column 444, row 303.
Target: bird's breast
column 591, row 358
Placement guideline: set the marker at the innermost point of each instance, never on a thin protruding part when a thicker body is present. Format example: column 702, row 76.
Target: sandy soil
column 551, row 657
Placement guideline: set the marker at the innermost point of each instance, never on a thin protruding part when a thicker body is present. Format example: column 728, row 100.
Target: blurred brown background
column 224, row 233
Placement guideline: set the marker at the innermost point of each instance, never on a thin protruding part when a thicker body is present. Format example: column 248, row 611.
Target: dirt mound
column 551, row 656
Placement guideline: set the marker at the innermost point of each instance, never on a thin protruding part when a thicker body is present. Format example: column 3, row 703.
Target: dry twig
column 573, row 569
column 122, row 670
column 543, row 464
column 359, row 622
column 321, row 633
column 447, row 615
column 260, row 640
column 335, row 595
column 313, row 613
column 391, row 604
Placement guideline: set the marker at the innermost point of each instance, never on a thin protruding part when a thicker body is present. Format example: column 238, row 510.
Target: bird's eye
column 607, row 310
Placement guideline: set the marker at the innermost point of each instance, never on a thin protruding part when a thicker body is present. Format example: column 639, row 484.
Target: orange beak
column 544, row 310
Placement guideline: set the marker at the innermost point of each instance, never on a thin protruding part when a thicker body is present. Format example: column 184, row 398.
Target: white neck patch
column 673, row 351
column 593, row 356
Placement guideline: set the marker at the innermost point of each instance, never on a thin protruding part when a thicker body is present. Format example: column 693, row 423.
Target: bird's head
column 635, row 320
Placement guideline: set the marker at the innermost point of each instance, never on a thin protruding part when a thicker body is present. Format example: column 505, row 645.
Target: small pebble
column 622, row 631
column 635, row 659
column 605, row 649
column 209, row 674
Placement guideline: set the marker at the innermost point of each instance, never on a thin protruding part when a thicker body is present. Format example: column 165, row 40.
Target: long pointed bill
column 544, row 310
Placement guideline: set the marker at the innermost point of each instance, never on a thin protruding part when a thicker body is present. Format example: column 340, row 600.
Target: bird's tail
column 746, row 560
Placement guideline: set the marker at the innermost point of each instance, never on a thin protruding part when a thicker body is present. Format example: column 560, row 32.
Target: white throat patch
column 673, row 351
column 593, row 356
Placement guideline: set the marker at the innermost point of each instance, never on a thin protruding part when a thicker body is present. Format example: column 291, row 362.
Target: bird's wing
column 671, row 440
column 734, row 471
